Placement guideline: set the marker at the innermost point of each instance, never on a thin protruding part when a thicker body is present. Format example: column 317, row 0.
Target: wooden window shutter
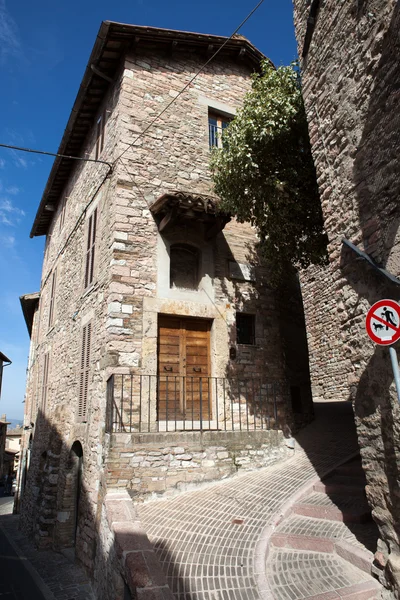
column 90, row 248
column 45, row 380
column 84, row 371
column 52, row 298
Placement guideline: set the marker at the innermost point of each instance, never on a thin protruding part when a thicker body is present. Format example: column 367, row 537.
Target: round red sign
column 383, row 322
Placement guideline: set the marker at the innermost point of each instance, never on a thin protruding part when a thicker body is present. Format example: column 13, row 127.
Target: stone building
column 157, row 361
column 349, row 55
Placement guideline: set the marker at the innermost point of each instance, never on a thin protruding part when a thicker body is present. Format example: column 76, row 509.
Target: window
column 100, row 129
column 184, row 267
column 216, row 125
column 45, row 380
column 90, row 248
column 52, row 298
column 245, row 329
column 84, row 371
column 62, row 213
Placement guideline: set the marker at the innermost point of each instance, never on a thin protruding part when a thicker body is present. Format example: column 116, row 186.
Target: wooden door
column 184, row 387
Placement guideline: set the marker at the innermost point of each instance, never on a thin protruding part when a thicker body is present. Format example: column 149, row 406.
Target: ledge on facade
column 29, row 304
column 178, row 206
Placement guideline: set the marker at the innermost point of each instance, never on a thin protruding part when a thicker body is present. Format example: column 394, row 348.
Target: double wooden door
column 184, row 385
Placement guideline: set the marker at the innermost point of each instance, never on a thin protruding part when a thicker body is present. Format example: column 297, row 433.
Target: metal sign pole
column 396, row 371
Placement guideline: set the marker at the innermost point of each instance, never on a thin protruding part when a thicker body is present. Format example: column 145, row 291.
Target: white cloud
column 13, row 190
column 10, row 214
column 7, row 241
column 2, row 163
column 10, row 45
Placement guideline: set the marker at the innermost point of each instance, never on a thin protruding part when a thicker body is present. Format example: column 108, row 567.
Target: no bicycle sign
column 383, row 322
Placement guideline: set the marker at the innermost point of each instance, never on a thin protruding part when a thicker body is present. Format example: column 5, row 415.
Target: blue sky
column 44, row 48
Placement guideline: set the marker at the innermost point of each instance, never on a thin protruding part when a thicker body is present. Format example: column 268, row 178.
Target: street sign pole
column 396, row 371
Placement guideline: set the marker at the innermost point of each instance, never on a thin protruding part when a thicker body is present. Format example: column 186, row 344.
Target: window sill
column 90, row 289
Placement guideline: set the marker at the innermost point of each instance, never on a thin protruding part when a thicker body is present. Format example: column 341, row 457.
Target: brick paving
column 63, row 579
column 297, row 574
column 206, row 539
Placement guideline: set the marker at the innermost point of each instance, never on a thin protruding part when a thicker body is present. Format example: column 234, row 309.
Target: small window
column 62, row 212
column 84, row 371
column 184, row 267
column 216, row 125
column 52, row 298
column 90, row 248
column 100, row 133
column 245, row 329
column 45, row 380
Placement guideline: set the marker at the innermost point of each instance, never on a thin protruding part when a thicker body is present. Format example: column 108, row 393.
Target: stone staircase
column 324, row 547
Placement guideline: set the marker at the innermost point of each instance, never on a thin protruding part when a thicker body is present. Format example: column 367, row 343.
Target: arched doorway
column 68, row 515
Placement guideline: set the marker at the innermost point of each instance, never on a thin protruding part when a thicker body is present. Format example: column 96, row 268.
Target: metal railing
column 152, row 403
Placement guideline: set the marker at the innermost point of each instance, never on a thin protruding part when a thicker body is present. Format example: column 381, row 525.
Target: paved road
column 206, row 540
column 16, row 583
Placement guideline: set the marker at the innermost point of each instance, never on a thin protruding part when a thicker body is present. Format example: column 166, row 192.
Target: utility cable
column 95, row 160
column 185, row 87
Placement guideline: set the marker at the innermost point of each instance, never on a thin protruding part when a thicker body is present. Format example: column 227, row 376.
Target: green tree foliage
column 264, row 174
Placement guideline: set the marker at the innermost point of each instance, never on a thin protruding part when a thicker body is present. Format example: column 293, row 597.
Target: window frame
column 100, row 135
column 90, row 251
column 52, row 303
column 223, row 121
column 62, row 212
column 244, row 315
column 84, row 371
column 45, row 381
column 190, row 249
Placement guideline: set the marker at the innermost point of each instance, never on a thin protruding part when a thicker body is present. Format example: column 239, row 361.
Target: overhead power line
column 32, row 151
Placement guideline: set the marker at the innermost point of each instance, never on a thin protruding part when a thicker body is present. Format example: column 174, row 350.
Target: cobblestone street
column 42, row 575
column 210, row 541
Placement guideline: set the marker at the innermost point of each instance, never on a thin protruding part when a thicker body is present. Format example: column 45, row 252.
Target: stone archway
column 68, row 515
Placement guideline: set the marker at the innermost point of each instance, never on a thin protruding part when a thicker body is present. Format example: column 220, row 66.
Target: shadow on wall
column 280, row 334
column 377, row 185
column 60, row 510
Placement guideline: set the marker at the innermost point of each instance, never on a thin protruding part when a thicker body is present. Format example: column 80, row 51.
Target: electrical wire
column 111, row 166
column 95, row 160
column 185, row 87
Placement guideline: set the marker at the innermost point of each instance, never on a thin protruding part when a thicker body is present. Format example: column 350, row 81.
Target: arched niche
column 184, row 267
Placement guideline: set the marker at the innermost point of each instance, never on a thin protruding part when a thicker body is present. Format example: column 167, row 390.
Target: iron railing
column 152, row 403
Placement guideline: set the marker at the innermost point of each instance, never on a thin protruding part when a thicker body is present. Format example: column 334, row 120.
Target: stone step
column 335, row 507
column 363, row 535
column 351, row 468
column 341, row 484
column 316, row 575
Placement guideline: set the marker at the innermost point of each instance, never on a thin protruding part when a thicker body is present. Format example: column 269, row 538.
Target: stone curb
column 139, row 564
column 263, row 545
column 44, row 589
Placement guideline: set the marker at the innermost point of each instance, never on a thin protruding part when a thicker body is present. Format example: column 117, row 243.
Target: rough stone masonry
column 351, row 80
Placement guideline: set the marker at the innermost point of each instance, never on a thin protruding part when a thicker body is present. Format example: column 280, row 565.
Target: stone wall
column 129, row 566
column 170, row 463
column 351, row 82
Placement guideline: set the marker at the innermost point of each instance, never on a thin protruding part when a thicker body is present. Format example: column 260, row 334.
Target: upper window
column 62, row 212
column 45, row 380
column 216, row 125
column 84, row 371
column 90, row 248
column 52, row 298
column 184, row 267
column 100, row 131
column 245, row 329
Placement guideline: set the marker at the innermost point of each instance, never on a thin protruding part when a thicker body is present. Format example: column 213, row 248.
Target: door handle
column 167, row 368
column 197, row 369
